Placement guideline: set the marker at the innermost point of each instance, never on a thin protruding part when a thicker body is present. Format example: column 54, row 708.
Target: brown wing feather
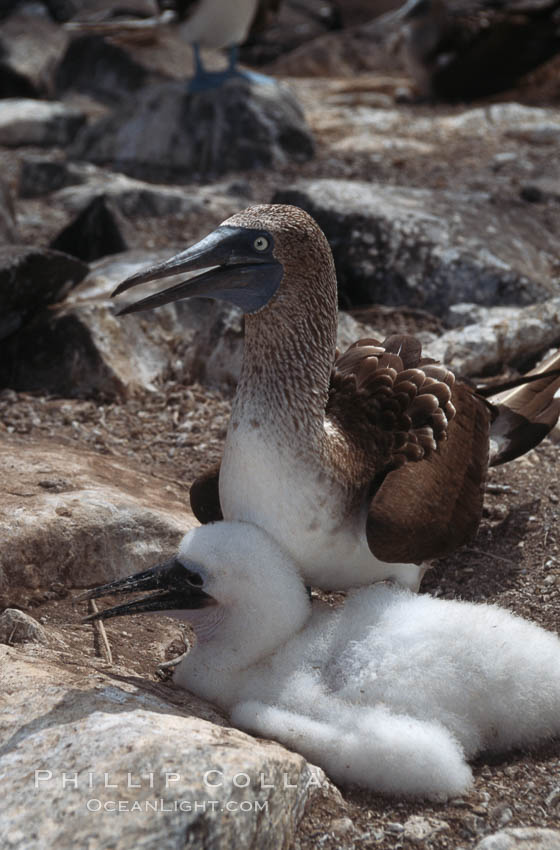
column 205, row 496
column 426, row 441
column 416, row 517
column 392, row 405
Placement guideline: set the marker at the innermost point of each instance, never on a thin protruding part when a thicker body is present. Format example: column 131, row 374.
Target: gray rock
column 349, row 330
column 522, row 838
column 31, row 279
column 427, row 248
column 461, row 315
column 138, row 199
column 98, row 67
column 84, row 351
column 79, row 745
column 198, row 340
column 514, row 120
column 215, row 352
column 418, row 828
column 342, row 828
column 501, row 335
column 73, row 186
column 100, row 519
column 379, row 133
column 30, row 47
column 38, row 122
column 12, row 82
column 94, row 233
column 167, row 134
column 40, row 175
column 292, row 25
column 553, row 798
column 541, row 189
column 17, row 627
column 364, row 44
column 547, row 133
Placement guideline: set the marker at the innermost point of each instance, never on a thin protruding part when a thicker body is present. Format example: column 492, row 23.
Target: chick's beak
column 177, row 589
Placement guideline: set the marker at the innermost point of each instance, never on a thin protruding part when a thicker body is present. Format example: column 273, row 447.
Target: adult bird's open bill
column 363, row 465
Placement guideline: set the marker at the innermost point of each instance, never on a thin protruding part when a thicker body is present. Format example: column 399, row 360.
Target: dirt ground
column 179, row 431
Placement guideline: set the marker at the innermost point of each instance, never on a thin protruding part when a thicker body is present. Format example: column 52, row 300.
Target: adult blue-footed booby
column 364, row 465
column 393, row 690
column 201, row 23
column 216, row 23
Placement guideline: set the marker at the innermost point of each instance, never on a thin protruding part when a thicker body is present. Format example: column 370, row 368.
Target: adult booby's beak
column 245, row 272
column 178, row 589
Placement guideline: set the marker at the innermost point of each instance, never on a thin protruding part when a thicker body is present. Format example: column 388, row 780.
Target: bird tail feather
column 525, row 410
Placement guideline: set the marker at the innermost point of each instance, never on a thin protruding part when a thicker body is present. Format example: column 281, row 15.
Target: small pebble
column 503, row 816
column 17, row 627
column 553, row 799
column 342, row 826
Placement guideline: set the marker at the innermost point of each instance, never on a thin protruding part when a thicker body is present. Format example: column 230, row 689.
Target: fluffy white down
column 392, row 691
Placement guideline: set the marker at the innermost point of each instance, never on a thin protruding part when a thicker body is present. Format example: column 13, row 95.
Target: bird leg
column 199, row 69
column 204, row 80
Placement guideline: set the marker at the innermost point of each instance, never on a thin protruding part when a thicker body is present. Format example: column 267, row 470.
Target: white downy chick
column 391, row 690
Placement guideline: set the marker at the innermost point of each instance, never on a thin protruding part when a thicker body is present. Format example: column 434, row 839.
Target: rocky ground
column 455, row 195
column 514, row 561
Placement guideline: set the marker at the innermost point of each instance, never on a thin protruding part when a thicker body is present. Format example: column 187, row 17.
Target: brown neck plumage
column 286, row 368
column 290, row 344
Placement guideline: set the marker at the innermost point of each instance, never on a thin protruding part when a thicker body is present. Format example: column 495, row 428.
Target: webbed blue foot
column 204, row 80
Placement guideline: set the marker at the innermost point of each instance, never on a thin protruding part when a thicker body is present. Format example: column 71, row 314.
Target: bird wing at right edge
column 428, row 485
column 428, row 441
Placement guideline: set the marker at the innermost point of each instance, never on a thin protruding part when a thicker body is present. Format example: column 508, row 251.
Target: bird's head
column 251, row 259
column 230, row 580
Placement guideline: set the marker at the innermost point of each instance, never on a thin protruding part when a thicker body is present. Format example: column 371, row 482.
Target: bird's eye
column 195, row 579
column 261, row 243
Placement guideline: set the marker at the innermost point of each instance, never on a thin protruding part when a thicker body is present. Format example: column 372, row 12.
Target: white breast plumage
column 215, row 23
column 259, row 484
